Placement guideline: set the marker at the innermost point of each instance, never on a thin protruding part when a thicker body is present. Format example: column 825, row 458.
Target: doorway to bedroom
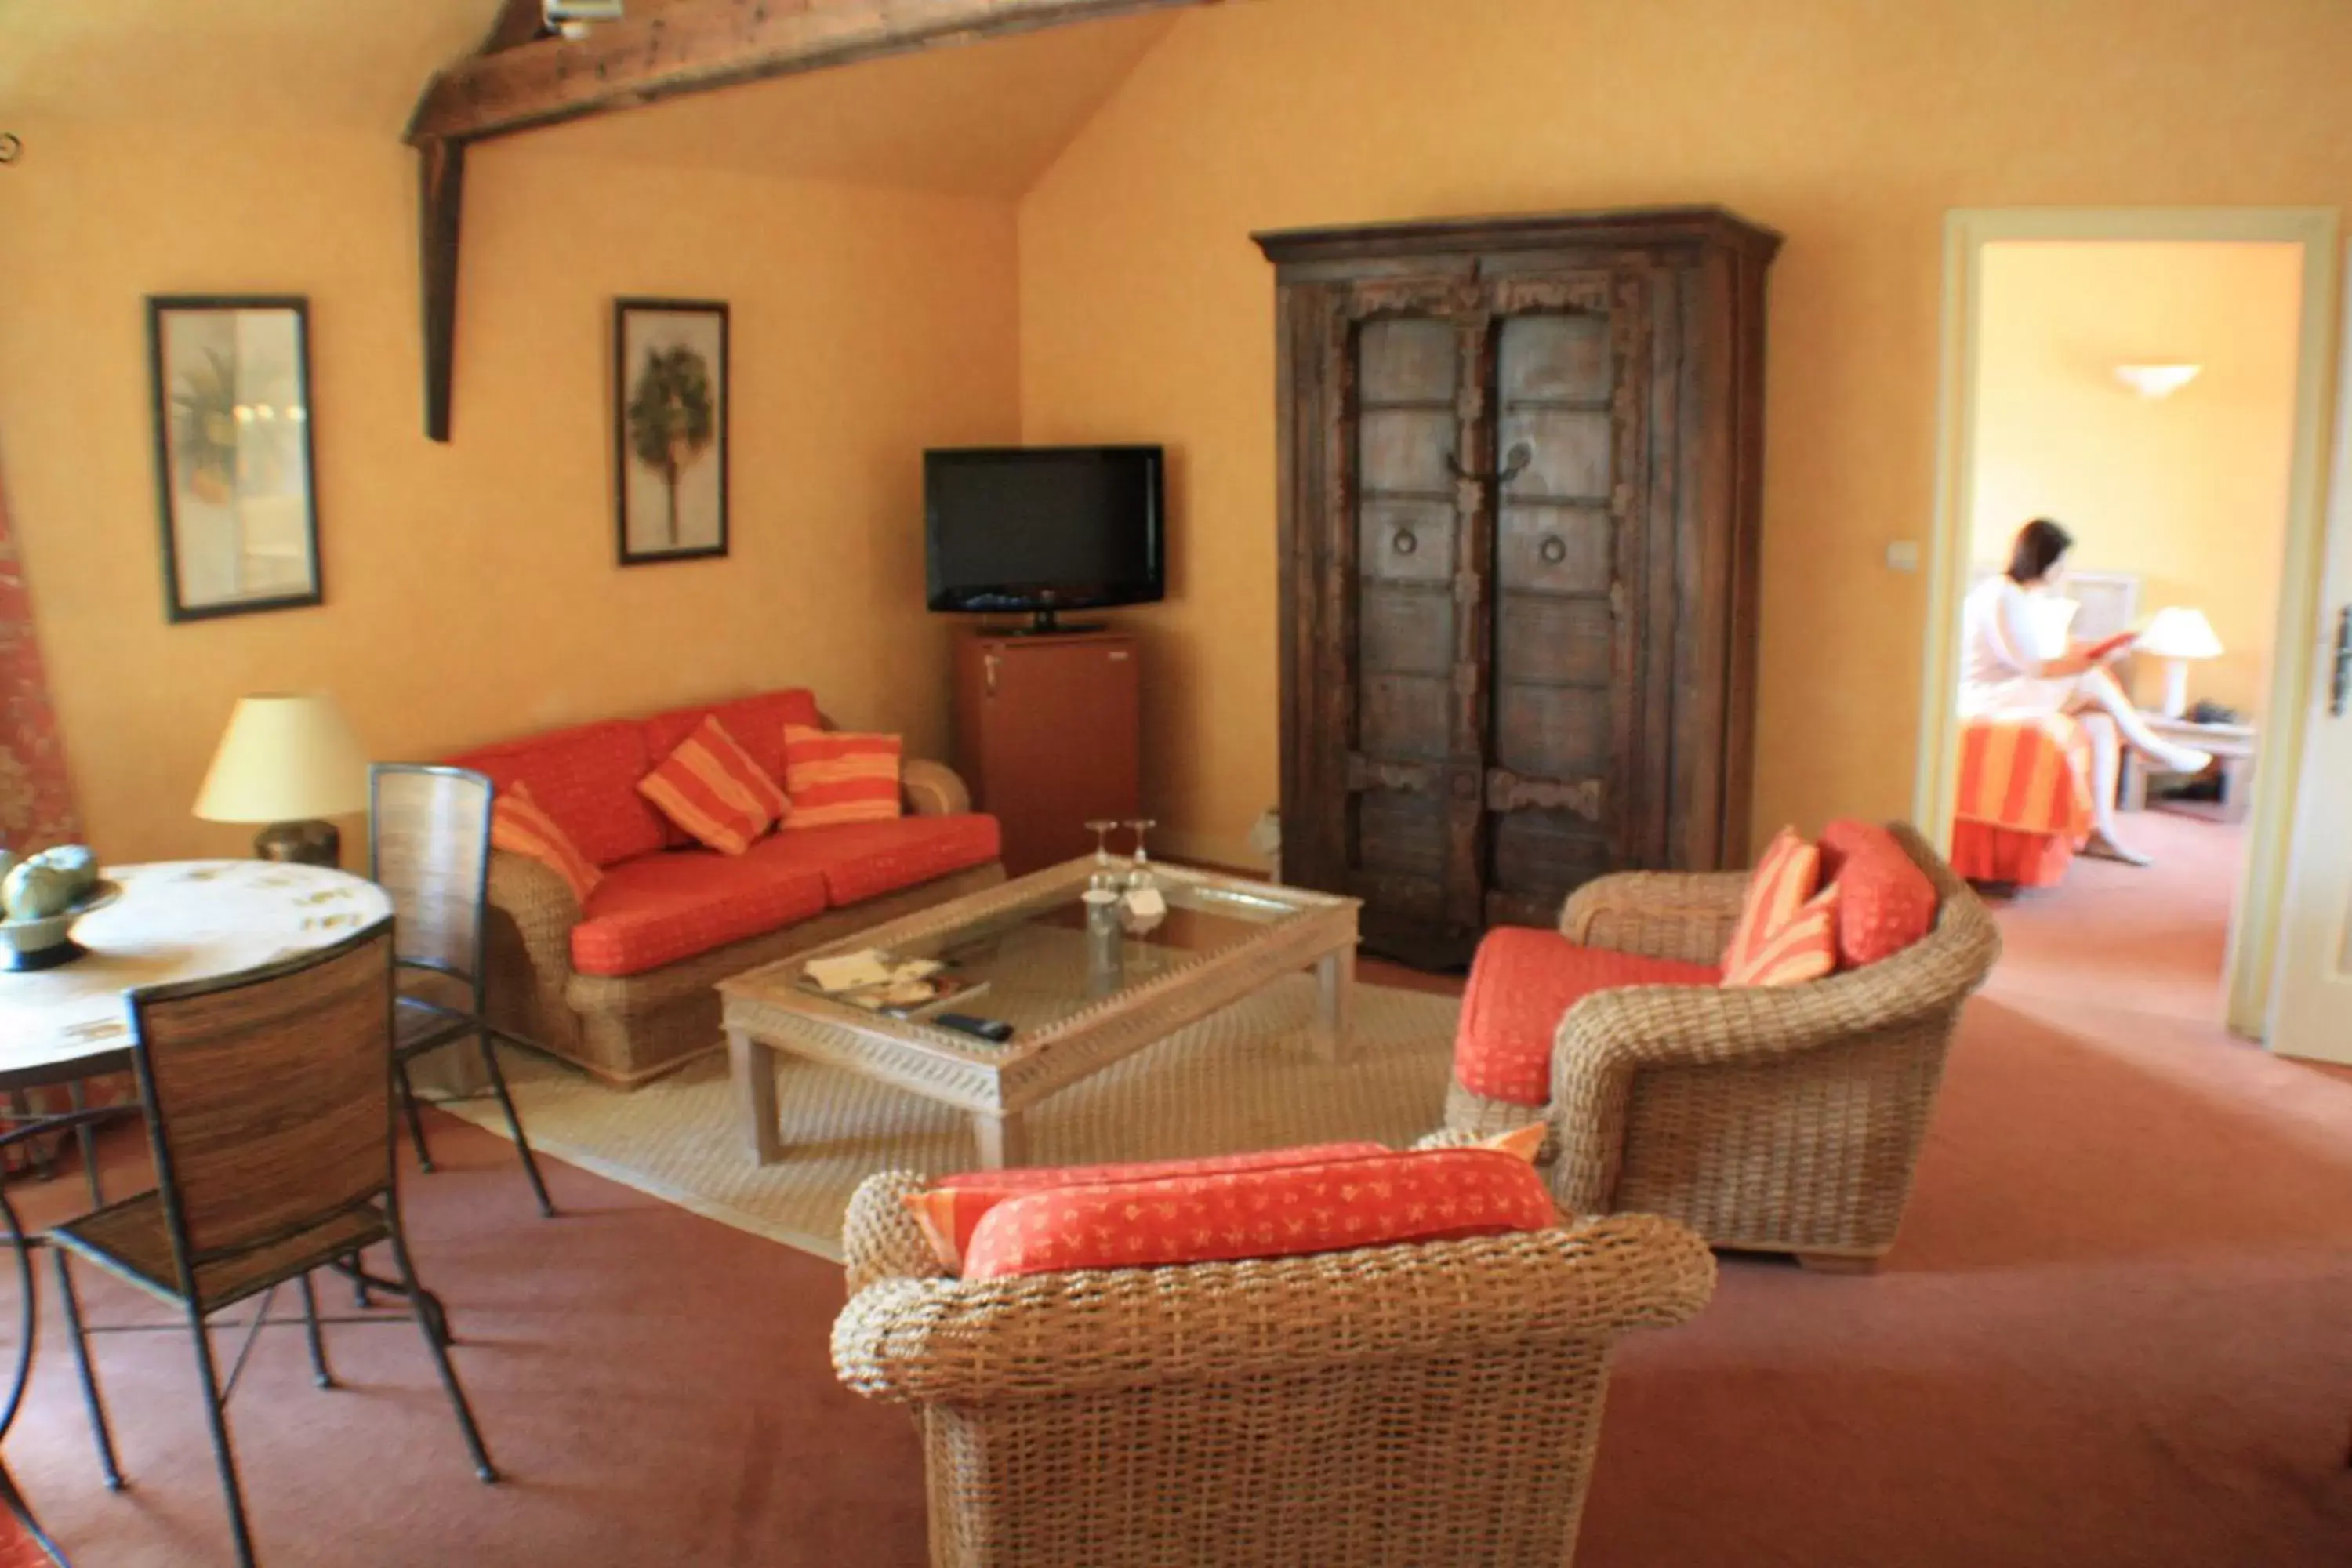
column 2145, row 390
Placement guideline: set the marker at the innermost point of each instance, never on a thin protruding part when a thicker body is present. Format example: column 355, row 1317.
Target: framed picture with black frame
column 669, row 429
column 235, row 457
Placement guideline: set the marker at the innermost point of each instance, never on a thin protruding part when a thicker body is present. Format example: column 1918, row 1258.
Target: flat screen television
column 1039, row 530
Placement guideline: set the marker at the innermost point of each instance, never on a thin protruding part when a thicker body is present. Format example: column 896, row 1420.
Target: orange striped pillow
column 835, row 778
column 520, row 826
column 1804, row 947
column 1789, row 873
column 710, row 788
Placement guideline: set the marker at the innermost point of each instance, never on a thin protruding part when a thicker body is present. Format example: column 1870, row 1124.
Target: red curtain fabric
column 36, row 807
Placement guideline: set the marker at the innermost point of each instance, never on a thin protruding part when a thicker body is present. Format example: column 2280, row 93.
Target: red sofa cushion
column 1521, row 983
column 862, row 860
column 586, row 780
column 1885, row 901
column 1431, row 1195
column 660, row 907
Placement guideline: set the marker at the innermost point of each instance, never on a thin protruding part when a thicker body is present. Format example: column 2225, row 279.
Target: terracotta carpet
column 2118, row 1331
column 1244, row 1078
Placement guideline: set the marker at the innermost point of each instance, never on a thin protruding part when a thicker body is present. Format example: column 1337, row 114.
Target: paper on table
column 847, row 972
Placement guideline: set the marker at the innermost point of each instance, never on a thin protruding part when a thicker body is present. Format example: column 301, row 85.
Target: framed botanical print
column 669, row 429
column 232, row 453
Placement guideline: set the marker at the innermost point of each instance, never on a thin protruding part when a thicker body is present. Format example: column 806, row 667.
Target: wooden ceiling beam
column 519, row 81
column 694, row 46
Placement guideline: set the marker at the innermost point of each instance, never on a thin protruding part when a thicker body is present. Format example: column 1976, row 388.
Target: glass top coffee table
column 1077, row 1004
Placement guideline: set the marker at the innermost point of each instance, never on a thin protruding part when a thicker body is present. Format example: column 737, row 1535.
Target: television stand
column 1045, row 624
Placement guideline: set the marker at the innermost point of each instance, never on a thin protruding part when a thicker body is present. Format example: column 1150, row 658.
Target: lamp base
column 2176, row 688
column 303, row 843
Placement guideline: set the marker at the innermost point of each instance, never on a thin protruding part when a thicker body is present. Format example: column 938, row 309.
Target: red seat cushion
column 586, row 780
column 676, row 903
column 1885, row 901
column 862, row 860
column 1431, row 1195
column 1521, row 983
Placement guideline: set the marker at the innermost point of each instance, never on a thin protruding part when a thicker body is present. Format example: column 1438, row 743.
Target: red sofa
column 624, row 985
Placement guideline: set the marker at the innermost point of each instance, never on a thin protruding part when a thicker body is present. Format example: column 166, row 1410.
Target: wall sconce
column 2153, row 382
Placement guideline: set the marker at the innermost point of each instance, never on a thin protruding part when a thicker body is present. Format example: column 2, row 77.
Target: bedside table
column 2234, row 748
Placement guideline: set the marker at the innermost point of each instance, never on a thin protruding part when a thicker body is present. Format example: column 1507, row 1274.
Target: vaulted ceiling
column 985, row 120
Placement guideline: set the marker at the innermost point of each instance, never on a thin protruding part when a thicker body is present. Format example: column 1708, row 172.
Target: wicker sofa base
column 627, row 1029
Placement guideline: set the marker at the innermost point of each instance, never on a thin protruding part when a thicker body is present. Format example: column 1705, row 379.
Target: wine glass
column 1140, row 876
column 1102, row 831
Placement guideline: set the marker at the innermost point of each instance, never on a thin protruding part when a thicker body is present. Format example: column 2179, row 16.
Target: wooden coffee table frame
column 768, row 1014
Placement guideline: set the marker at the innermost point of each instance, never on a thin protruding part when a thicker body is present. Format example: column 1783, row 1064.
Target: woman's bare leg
column 2095, row 691
column 2106, row 736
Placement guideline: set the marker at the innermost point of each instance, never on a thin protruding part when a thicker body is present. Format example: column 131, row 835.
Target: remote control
column 994, row 1029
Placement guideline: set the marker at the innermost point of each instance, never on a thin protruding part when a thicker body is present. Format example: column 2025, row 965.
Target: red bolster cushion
column 1432, row 1194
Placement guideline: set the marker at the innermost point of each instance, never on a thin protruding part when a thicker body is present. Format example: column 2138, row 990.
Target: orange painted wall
column 2190, row 492
column 471, row 589
column 1146, row 314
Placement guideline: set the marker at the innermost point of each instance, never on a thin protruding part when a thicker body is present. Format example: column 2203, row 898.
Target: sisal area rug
column 1244, row 1078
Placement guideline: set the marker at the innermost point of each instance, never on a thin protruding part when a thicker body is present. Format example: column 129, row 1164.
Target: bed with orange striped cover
column 2024, row 801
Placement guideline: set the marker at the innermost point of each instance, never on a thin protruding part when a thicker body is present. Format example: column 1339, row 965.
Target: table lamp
column 2176, row 637
column 287, row 760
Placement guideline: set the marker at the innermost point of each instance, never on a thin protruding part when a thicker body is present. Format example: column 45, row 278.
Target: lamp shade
column 2178, row 633
column 285, row 758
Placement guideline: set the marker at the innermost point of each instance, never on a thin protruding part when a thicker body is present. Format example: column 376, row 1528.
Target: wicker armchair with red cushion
column 1784, row 1119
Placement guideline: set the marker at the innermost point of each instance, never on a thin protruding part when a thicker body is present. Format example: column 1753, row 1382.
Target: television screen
column 1042, row 528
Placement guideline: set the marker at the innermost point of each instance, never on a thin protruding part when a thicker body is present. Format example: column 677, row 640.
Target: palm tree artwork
column 672, row 417
column 204, row 427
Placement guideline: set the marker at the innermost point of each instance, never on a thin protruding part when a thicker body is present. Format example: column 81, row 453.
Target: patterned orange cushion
column 586, row 779
column 862, row 860
column 1521, row 984
column 710, row 787
column 954, row 1206
column 1427, row 1195
column 1804, row 948
column 835, row 778
column 1789, row 874
column 678, row 904
column 1885, row 901
column 519, row 827
column 757, row 723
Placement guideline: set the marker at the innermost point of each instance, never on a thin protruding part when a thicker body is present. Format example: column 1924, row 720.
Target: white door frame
column 2253, row 927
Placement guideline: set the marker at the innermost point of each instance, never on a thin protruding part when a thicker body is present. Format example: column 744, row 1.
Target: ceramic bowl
column 24, row 944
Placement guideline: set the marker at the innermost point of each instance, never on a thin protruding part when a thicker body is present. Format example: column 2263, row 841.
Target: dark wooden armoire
column 1520, row 462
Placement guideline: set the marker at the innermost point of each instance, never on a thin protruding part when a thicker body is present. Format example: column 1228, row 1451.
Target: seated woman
column 2002, row 672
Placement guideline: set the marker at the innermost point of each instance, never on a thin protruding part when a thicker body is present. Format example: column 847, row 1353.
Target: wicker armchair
column 1426, row 1403
column 1779, row 1120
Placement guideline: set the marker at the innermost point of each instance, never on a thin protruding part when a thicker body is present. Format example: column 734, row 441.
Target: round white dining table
column 176, row 921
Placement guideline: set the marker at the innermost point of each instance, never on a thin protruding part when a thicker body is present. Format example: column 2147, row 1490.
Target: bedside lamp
column 2176, row 637
column 288, row 760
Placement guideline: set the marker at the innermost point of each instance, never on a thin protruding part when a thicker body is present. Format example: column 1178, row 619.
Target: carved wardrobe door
column 1569, row 537
column 1410, row 360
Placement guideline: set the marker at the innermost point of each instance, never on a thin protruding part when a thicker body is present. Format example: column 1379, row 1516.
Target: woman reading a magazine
column 2002, row 673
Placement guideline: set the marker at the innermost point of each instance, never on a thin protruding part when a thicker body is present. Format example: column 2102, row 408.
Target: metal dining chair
column 268, row 1096
column 429, row 850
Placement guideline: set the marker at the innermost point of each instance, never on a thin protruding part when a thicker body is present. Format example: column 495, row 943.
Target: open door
column 2311, row 1004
